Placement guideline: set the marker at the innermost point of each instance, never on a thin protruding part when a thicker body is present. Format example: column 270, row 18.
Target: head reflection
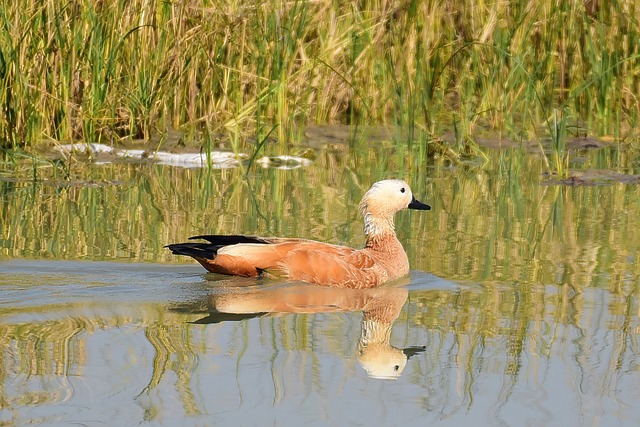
column 380, row 308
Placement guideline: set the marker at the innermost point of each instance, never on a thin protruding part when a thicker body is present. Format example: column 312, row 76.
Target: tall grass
column 134, row 69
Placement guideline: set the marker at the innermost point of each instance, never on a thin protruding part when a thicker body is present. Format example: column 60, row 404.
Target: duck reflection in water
column 380, row 307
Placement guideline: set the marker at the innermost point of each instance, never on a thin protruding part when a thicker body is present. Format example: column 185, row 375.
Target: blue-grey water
column 521, row 308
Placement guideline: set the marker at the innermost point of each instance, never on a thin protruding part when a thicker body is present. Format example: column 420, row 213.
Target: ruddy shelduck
column 382, row 259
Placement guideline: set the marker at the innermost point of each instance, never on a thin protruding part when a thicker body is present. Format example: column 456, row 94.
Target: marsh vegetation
column 233, row 73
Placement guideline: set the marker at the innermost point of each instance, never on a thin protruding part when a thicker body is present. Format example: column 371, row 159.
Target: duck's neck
column 374, row 332
column 380, row 231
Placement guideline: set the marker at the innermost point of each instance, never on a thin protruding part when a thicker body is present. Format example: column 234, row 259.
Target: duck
column 382, row 259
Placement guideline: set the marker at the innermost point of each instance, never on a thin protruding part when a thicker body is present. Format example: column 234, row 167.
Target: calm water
column 521, row 308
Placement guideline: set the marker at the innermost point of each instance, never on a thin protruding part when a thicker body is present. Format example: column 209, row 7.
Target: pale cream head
column 385, row 198
column 383, row 362
column 381, row 202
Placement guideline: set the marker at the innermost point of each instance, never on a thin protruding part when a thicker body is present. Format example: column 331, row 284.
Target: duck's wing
column 237, row 254
column 234, row 239
column 217, row 242
column 210, row 250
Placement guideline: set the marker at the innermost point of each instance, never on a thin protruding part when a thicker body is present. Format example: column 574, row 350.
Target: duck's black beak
column 415, row 204
column 412, row 351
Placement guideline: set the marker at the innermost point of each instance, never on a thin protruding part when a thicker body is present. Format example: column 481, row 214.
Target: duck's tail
column 210, row 250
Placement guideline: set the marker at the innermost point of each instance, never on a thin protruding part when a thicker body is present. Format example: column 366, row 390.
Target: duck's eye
column 397, row 367
column 402, row 190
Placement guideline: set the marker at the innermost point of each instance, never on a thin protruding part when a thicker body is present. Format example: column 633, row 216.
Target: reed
column 137, row 69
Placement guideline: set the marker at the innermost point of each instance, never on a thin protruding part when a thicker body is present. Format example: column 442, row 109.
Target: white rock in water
column 218, row 159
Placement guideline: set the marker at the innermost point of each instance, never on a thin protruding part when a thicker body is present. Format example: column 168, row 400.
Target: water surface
column 521, row 307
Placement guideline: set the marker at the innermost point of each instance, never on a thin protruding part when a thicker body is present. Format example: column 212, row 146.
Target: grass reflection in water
column 541, row 324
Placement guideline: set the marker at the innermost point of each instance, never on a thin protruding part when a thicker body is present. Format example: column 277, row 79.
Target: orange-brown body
column 383, row 258
column 313, row 262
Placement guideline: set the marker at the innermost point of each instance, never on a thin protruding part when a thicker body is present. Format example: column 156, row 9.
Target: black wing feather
column 209, row 250
column 225, row 239
column 199, row 250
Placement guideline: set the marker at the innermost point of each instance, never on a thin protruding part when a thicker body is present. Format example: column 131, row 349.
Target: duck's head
column 387, row 197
